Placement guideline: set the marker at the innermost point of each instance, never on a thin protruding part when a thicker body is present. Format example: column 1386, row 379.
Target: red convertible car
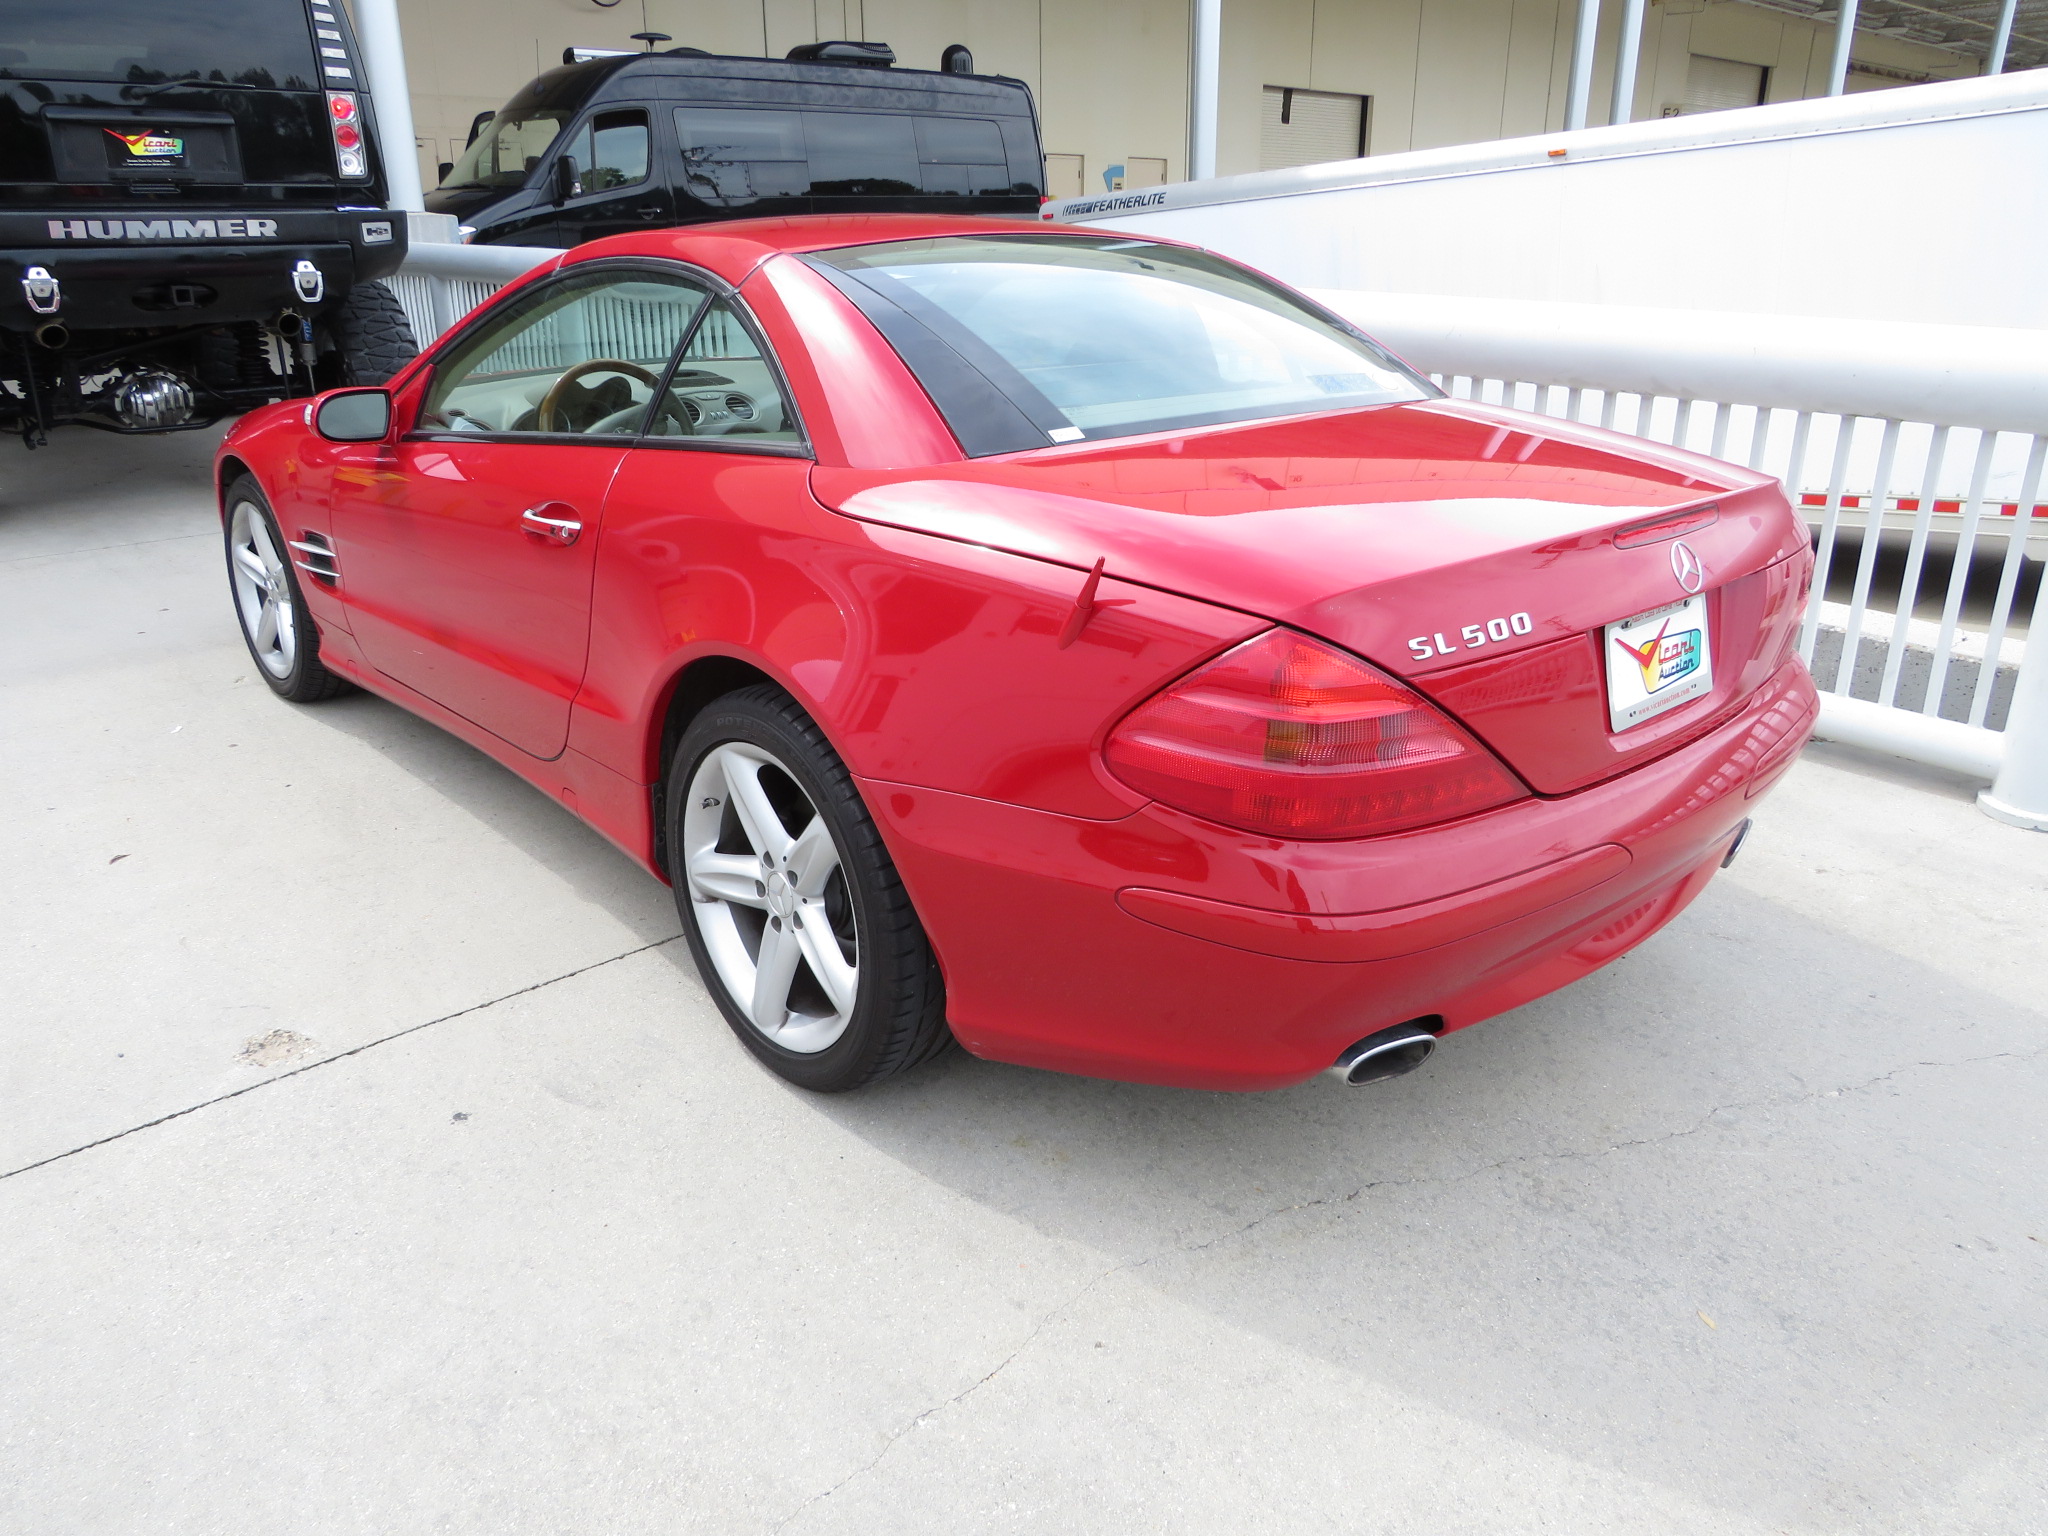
column 1076, row 646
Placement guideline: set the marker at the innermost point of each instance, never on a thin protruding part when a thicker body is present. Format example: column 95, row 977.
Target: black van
column 191, row 212
column 644, row 140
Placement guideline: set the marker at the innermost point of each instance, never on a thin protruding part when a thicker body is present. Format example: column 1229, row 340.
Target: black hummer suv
column 192, row 211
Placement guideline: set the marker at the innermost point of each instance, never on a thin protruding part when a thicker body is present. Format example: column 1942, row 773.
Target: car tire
column 278, row 628
column 863, row 999
column 372, row 337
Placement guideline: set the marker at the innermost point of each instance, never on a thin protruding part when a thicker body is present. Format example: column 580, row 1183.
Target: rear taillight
column 351, row 155
column 1295, row 739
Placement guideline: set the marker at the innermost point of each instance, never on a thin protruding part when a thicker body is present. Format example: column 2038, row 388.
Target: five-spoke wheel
column 771, row 894
column 793, row 908
column 275, row 620
column 263, row 593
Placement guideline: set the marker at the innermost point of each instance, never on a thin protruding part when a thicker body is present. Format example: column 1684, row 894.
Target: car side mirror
column 354, row 416
column 565, row 179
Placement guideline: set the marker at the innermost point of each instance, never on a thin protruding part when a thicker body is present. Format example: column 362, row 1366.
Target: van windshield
column 1109, row 336
column 265, row 44
column 508, row 148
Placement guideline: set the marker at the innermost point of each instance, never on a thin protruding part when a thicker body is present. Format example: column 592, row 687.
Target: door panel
column 469, row 544
column 452, row 596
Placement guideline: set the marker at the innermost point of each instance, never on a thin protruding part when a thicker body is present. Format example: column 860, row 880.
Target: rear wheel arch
column 694, row 688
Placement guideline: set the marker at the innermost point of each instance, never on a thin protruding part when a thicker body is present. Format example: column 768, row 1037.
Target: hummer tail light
column 351, row 155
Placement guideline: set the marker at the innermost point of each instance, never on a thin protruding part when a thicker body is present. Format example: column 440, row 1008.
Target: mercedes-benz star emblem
column 1685, row 565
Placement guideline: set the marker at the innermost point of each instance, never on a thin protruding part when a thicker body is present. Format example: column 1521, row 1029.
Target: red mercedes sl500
column 1076, row 646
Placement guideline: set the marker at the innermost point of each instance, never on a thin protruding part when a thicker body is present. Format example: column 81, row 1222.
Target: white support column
column 1845, row 34
column 1626, row 61
column 1579, row 92
column 384, row 63
column 1994, row 63
column 2019, row 794
column 1205, row 88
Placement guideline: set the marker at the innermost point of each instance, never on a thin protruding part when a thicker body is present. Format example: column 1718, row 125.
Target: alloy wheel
column 770, row 898
column 263, row 594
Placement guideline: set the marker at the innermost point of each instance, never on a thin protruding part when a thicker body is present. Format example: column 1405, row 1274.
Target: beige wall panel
column 1742, row 33
column 785, row 23
column 1116, row 82
column 1673, row 59
column 1795, row 62
column 696, row 24
column 1002, row 36
column 1266, row 43
column 1367, row 48
column 1539, row 38
column 1461, row 70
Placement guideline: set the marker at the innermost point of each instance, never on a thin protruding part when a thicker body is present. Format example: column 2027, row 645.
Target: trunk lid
column 1390, row 531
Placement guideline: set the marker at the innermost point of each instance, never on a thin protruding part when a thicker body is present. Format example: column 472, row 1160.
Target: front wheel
column 793, row 909
column 283, row 640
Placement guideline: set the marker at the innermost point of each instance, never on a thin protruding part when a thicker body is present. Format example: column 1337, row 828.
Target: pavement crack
column 1177, row 1250
column 95, row 549
column 314, row 1066
column 965, row 1392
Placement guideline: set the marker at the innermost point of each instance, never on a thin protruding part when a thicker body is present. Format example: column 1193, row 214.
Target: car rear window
column 738, row 155
column 259, row 43
column 1095, row 337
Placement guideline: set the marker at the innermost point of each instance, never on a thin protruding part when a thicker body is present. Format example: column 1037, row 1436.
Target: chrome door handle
column 557, row 529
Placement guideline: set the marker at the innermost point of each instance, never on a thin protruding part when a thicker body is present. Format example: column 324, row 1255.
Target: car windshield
column 508, row 148
column 1115, row 336
column 266, row 44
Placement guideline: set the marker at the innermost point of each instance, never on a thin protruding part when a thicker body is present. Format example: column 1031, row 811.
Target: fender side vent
column 313, row 553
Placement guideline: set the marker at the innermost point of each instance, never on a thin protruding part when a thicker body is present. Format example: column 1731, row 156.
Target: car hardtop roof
column 572, row 85
column 733, row 248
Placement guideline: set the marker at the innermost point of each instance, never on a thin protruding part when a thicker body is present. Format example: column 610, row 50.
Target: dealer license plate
column 1656, row 661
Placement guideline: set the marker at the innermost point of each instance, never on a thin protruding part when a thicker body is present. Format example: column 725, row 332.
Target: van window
column 609, row 151
column 736, row 155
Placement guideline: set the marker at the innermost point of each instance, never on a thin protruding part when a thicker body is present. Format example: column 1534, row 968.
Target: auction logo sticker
column 150, row 146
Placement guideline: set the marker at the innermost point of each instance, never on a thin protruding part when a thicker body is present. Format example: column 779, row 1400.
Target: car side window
column 582, row 355
column 726, row 388
column 609, row 151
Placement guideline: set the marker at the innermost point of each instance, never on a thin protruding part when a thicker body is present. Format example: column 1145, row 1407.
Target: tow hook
column 307, row 281
column 44, row 292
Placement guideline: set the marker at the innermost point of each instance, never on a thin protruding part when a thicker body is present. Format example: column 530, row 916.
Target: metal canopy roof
column 1962, row 25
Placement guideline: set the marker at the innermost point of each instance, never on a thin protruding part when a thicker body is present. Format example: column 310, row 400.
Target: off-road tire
column 899, row 1017
column 372, row 338
column 308, row 681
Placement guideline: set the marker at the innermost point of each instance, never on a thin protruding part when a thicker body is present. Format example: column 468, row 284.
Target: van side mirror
column 566, row 185
column 354, row 416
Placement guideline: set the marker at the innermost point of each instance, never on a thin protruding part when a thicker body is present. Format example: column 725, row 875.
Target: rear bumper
column 111, row 282
column 1162, row 949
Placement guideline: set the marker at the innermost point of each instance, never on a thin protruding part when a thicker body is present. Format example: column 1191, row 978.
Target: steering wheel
column 547, row 415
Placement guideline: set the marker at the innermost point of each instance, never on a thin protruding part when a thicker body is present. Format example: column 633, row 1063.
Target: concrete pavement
column 383, row 1167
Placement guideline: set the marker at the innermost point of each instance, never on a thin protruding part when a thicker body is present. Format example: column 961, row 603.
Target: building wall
column 1111, row 76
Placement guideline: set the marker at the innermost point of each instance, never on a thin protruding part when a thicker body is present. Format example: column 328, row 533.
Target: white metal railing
column 440, row 283
column 1940, row 432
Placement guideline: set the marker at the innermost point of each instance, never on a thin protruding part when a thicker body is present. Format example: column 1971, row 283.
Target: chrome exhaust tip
column 1387, row 1053
column 54, row 334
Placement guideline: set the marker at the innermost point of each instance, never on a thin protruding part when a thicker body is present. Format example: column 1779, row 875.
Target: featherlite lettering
column 163, row 229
